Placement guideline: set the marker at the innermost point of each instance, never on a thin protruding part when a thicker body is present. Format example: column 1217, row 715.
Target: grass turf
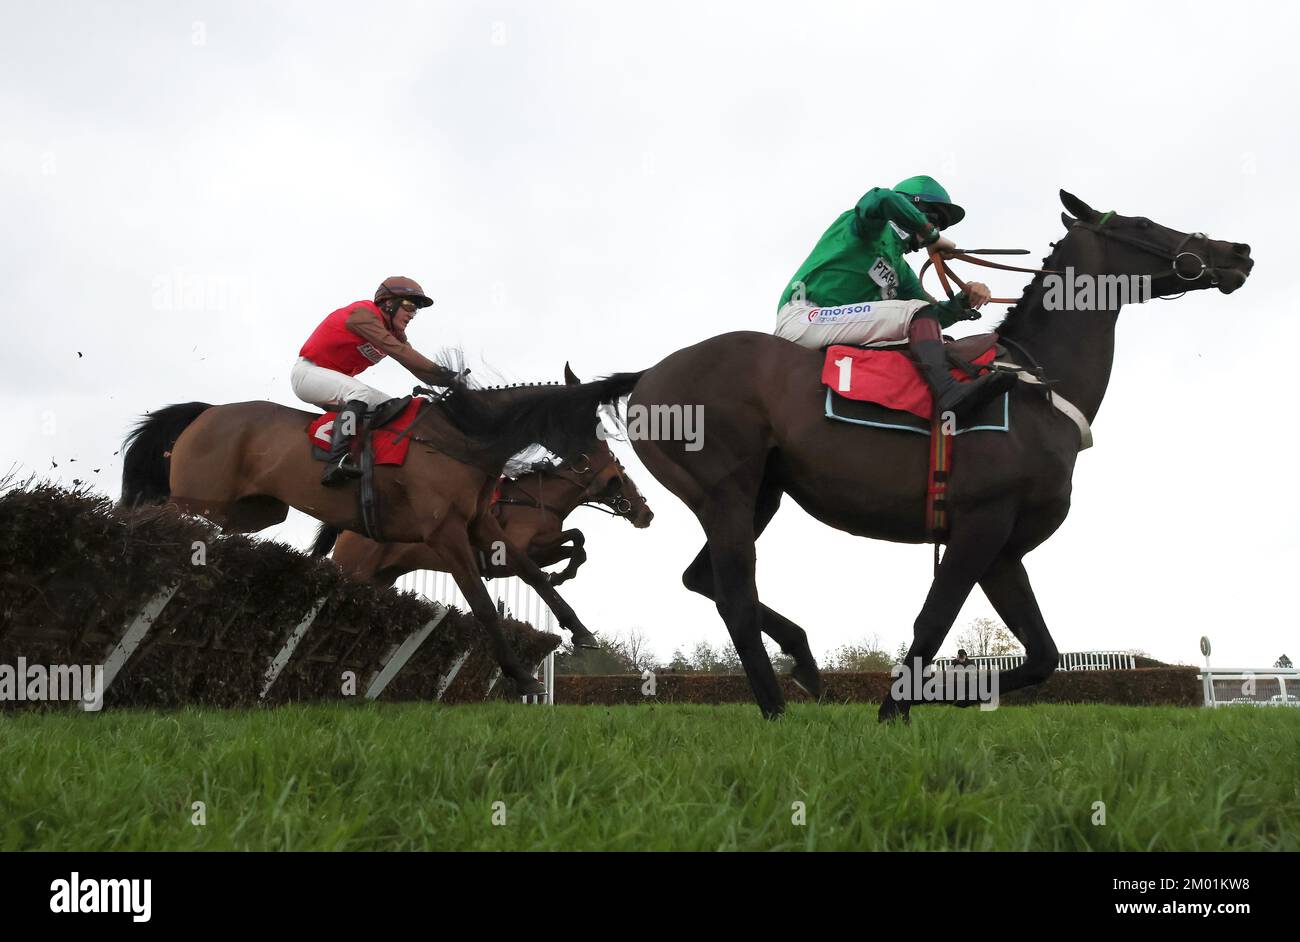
column 420, row 776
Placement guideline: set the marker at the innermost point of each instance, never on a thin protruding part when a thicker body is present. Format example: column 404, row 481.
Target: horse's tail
column 560, row 418
column 326, row 536
column 146, row 452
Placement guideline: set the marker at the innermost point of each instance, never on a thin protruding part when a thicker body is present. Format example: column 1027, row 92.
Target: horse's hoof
column 891, row 711
column 584, row 639
column 532, row 687
column 808, row 680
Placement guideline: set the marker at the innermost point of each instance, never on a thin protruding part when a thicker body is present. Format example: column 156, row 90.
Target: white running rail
column 1074, row 661
column 511, row 596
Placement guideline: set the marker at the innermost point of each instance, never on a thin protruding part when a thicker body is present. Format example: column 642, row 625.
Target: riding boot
column 344, row 462
column 949, row 394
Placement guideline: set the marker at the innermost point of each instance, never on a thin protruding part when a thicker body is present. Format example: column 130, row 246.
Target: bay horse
column 242, row 466
column 763, row 404
column 529, row 509
column 524, row 525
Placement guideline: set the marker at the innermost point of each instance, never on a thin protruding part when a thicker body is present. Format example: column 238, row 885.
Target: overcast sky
column 607, row 183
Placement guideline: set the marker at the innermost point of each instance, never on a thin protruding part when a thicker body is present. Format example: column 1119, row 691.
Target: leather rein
column 1180, row 252
column 940, row 263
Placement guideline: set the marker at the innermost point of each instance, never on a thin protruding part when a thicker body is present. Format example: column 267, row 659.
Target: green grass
column 651, row 778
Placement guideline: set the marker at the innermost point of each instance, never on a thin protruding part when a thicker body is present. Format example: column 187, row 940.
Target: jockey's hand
column 977, row 294
column 943, row 245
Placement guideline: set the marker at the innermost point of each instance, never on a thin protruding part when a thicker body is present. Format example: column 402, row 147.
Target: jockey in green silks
column 855, row 288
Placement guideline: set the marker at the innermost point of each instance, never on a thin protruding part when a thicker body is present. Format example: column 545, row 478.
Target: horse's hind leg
column 793, row 640
column 731, row 557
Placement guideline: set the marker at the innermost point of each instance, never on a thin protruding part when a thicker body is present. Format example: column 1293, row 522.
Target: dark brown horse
column 243, row 465
column 766, row 435
column 529, row 510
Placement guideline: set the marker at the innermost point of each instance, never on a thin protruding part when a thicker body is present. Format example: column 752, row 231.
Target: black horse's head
column 1176, row 261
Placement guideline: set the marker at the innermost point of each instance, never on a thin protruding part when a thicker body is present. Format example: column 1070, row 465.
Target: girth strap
column 1062, row 405
column 367, row 493
column 936, row 492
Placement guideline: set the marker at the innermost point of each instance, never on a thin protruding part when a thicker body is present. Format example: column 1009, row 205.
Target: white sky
column 607, row 183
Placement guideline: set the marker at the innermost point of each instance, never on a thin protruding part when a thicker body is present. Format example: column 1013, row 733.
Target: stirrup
column 340, row 472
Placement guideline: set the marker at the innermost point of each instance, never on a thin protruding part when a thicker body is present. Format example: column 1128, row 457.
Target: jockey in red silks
column 856, row 288
column 348, row 341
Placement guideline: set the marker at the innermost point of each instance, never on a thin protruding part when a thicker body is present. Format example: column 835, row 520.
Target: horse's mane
column 498, row 422
column 1016, row 322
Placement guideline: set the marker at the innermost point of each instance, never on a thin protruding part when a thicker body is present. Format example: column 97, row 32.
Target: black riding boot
column 344, row 463
column 951, row 395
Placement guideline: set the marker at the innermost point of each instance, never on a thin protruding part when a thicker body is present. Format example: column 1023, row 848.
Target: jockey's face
column 403, row 315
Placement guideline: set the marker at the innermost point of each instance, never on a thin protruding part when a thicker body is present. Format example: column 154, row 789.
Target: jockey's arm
column 883, row 204
column 365, row 324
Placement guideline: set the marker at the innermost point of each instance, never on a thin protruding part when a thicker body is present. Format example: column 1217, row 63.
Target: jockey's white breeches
column 811, row 325
column 329, row 389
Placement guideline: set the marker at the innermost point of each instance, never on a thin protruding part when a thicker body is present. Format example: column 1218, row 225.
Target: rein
column 940, row 263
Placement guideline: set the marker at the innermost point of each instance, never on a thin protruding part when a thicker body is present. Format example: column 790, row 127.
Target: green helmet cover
column 927, row 193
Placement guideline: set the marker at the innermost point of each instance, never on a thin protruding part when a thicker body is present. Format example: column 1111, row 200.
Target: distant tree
column 706, row 659
column 609, row 657
column 1283, row 662
column 636, row 646
column 679, row 663
column 901, row 654
column 984, row 637
column 867, row 655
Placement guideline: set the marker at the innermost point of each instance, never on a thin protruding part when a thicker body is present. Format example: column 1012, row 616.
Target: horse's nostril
column 1241, row 249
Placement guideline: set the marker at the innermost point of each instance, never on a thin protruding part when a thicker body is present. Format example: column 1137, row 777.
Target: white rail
column 1265, row 686
column 511, row 596
column 1073, row 661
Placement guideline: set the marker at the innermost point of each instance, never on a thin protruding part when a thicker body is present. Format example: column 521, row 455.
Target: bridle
column 579, row 475
column 1173, row 258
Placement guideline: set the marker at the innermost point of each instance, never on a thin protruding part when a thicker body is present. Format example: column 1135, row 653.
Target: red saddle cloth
column 886, row 377
column 388, row 450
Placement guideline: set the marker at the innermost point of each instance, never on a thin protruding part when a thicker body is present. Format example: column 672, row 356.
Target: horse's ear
column 1067, row 220
column 1078, row 207
column 569, row 378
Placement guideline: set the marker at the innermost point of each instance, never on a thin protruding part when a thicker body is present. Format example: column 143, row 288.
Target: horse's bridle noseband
column 618, row 506
column 1178, row 253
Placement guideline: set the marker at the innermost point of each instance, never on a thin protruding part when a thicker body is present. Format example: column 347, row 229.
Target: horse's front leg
column 532, row 575
column 573, row 552
column 977, row 538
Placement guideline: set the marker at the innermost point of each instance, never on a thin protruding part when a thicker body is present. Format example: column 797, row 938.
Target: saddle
column 961, row 352
column 392, row 417
column 879, row 385
column 384, row 440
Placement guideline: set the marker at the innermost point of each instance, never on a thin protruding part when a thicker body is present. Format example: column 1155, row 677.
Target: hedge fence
column 1170, row 686
column 76, row 572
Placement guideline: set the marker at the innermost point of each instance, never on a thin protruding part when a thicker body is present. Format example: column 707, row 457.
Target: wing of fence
column 512, row 597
